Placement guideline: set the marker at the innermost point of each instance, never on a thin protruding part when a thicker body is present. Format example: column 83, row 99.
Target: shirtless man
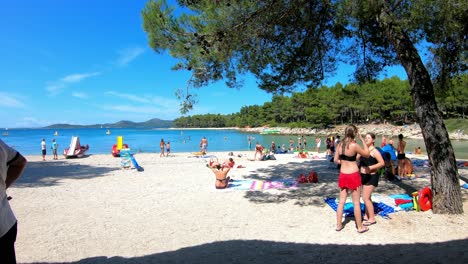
column 220, row 172
column 401, row 156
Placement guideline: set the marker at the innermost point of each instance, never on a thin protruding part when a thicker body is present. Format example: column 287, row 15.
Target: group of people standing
column 54, row 148
column 358, row 176
column 164, row 146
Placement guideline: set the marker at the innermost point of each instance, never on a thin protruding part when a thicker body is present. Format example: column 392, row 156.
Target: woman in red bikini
column 350, row 178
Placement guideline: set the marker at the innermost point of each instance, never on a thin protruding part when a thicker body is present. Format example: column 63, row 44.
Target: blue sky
column 88, row 62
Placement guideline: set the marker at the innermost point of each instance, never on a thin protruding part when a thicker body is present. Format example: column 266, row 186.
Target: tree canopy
column 289, row 44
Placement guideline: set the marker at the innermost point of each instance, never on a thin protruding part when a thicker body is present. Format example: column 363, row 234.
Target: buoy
column 425, row 199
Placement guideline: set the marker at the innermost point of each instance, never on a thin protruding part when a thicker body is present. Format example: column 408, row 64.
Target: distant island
column 152, row 123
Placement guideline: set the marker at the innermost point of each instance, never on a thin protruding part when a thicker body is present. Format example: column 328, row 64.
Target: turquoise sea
column 28, row 141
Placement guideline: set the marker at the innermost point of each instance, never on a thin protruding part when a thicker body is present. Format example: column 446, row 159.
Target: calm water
column 28, row 141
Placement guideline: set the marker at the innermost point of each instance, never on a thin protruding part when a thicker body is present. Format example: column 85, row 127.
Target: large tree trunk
column 444, row 174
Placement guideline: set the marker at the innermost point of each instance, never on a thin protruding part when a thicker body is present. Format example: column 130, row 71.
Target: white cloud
column 161, row 107
column 56, row 87
column 128, row 55
column 9, row 100
column 72, row 78
column 80, row 95
column 31, row 122
column 129, row 97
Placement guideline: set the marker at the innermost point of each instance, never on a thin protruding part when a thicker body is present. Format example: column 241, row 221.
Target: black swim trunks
column 401, row 156
column 370, row 179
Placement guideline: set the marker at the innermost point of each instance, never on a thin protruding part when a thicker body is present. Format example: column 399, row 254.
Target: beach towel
column 399, row 201
column 380, row 208
column 258, row 185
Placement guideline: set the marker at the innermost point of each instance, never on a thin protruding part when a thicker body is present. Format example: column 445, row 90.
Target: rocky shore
column 408, row 131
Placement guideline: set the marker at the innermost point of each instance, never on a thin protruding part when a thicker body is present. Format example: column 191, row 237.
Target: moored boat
column 270, row 131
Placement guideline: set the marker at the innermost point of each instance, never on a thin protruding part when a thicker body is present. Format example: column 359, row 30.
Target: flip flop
column 339, row 229
column 364, row 230
column 367, row 223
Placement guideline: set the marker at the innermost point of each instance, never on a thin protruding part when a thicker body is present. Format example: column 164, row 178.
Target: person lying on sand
column 220, row 172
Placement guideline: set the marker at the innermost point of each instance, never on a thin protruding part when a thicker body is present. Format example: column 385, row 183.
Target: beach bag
column 302, row 178
column 313, row 177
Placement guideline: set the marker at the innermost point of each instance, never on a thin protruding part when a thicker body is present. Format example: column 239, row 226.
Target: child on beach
column 168, row 148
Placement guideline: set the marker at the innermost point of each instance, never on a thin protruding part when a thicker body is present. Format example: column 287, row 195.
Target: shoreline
column 409, row 131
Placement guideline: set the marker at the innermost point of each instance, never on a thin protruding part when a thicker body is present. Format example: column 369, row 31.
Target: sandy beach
column 90, row 210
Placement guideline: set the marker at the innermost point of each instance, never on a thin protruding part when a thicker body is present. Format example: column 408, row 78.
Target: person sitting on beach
column 280, row 150
column 273, row 147
column 384, row 141
column 283, row 149
column 418, row 151
column 303, row 154
column 258, row 149
column 229, row 163
column 220, row 172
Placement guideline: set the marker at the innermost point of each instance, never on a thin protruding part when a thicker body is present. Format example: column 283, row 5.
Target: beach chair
column 125, row 158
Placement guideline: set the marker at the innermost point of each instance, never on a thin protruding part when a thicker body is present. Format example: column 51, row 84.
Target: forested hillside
column 388, row 100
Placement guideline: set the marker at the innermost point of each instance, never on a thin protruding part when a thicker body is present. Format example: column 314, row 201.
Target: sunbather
column 220, row 172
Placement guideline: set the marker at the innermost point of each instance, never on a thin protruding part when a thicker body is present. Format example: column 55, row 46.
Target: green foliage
column 318, row 107
column 288, row 43
column 454, row 125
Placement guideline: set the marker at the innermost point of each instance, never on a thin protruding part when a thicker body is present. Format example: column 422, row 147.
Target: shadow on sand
column 258, row 251
column 314, row 193
column 40, row 174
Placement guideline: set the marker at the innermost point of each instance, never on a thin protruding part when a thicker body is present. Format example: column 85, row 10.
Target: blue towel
column 407, row 206
column 401, row 196
column 379, row 208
